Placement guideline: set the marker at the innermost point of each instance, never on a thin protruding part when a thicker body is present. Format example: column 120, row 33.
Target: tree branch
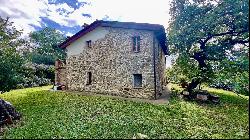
column 6, row 21
column 210, row 36
column 239, row 42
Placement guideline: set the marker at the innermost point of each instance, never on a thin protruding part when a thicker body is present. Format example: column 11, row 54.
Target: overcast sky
column 68, row 15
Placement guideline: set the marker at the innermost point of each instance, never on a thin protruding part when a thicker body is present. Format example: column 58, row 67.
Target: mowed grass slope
column 48, row 114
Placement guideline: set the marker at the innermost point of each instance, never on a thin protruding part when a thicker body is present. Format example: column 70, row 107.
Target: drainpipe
column 154, row 65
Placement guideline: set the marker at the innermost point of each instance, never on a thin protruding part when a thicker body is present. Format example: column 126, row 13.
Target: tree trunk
column 193, row 84
column 200, row 57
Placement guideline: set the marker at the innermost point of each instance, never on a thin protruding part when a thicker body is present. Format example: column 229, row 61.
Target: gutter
column 154, row 66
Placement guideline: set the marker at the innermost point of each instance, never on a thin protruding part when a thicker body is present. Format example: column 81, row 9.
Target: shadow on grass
column 64, row 115
column 47, row 114
column 227, row 98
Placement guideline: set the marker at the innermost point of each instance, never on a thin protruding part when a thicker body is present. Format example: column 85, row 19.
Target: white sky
column 147, row 11
column 26, row 12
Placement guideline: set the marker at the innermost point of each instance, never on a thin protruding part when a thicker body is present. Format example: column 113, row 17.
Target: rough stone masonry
column 108, row 64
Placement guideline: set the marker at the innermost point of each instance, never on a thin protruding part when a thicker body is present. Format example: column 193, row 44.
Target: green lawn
column 49, row 114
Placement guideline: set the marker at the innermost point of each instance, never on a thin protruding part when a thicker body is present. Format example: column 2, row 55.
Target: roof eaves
column 80, row 34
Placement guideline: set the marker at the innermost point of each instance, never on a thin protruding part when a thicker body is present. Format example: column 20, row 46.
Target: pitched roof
column 157, row 29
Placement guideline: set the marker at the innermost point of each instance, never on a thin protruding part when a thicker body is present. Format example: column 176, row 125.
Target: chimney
column 85, row 25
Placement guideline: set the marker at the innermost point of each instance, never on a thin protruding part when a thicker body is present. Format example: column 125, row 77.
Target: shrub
column 36, row 75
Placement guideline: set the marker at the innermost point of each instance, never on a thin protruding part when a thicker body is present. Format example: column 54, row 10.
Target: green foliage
column 217, row 31
column 234, row 71
column 48, row 114
column 27, row 63
column 11, row 61
column 36, row 75
column 46, row 42
column 193, row 21
column 174, row 75
column 43, row 56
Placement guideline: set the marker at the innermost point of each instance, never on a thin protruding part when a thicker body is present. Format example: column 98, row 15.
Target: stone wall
column 160, row 68
column 80, row 44
column 60, row 73
column 113, row 63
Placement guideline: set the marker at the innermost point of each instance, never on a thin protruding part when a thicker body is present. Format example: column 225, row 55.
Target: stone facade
column 60, row 73
column 112, row 63
column 160, row 66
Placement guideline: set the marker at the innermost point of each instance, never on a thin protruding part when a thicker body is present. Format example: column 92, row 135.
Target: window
column 88, row 43
column 136, row 43
column 89, row 78
column 137, row 80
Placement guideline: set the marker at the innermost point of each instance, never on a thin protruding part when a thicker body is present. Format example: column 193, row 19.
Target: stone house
column 116, row 58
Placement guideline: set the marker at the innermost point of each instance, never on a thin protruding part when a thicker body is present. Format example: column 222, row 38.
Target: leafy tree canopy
column 11, row 61
column 210, row 37
column 46, row 42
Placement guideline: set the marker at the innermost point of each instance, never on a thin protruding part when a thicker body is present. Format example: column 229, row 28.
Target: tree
column 204, row 35
column 11, row 61
column 46, row 43
column 233, row 73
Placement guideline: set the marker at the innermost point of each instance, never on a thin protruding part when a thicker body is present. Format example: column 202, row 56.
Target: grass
column 48, row 114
